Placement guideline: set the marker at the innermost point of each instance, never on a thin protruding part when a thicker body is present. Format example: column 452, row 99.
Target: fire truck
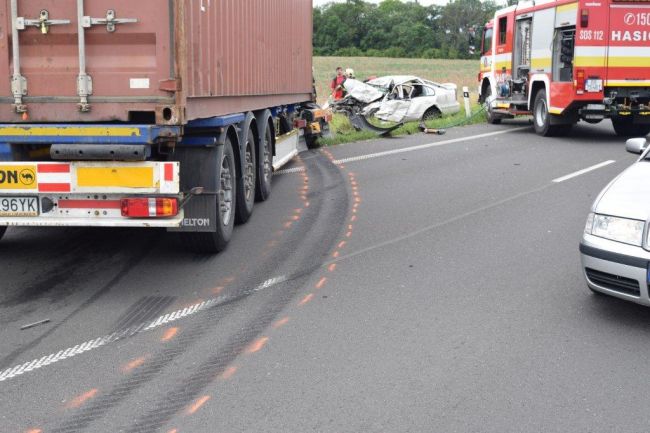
column 565, row 61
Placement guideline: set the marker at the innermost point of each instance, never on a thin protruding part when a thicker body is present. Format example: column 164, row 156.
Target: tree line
column 394, row 28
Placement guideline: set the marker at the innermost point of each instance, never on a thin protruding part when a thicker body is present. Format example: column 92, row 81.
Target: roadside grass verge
column 343, row 131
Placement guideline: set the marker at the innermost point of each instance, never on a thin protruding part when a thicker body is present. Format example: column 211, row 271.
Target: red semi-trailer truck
column 564, row 60
column 155, row 113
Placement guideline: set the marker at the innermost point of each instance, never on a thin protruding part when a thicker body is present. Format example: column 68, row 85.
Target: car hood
column 628, row 195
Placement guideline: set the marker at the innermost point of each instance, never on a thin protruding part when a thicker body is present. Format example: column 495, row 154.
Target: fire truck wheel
column 492, row 118
column 624, row 127
column 246, row 182
column 215, row 242
column 542, row 118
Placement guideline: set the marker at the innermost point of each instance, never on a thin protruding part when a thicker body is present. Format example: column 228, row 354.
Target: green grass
column 460, row 72
column 343, row 131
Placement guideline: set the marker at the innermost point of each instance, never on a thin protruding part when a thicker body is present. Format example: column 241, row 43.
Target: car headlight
column 617, row 229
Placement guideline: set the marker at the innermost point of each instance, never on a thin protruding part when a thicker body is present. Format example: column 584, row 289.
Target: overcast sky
column 422, row 2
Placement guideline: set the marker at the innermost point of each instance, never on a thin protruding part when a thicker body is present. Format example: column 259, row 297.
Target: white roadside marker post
column 468, row 108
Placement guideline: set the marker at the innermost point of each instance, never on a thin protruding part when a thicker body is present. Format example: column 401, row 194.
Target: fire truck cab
column 565, row 61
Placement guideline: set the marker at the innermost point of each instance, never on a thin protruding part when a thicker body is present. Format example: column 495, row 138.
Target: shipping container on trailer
column 155, row 113
column 562, row 61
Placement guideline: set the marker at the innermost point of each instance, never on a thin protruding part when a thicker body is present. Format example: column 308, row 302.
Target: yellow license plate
column 118, row 177
column 18, row 177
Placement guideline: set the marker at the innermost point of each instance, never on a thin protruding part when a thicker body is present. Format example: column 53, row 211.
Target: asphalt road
column 418, row 284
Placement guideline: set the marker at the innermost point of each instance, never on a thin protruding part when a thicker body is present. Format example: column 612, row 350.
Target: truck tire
column 542, row 118
column 624, row 127
column 265, row 158
column 492, row 118
column 246, row 183
column 215, row 242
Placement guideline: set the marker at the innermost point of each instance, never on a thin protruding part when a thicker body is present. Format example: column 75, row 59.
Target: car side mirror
column 636, row 145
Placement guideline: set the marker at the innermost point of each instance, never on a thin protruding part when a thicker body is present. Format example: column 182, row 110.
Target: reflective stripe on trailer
column 89, row 177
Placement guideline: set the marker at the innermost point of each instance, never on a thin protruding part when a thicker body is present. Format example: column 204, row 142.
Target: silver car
column 615, row 247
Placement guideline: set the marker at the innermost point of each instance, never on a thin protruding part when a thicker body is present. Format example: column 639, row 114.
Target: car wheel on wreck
column 431, row 114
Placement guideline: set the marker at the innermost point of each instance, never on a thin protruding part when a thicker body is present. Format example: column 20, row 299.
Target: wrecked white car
column 406, row 98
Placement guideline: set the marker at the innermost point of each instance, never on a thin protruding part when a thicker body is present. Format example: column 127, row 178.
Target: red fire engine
column 564, row 61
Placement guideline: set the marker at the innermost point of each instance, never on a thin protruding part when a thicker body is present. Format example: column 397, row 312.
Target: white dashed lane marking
column 586, row 170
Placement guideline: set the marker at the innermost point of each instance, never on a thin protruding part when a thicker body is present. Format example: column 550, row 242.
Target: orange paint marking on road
column 229, row 372
column 348, row 234
column 280, row 323
column 354, row 210
column 342, row 244
column 358, row 200
column 332, row 267
column 132, row 365
column 79, row 400
column 197, row 405
column 335, row 254
column 173, row 431
column 34, row 430
column 306, row 299
column 353, row 218
column 288, row 224
column 169, row 334
column 321, row 283
column 350, row 227
column 257, row 345
column 307, row 204
column 298, row 210
column 295, row 217
column 229, row 280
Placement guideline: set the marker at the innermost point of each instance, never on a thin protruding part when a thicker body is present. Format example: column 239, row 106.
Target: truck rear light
column 152, row 207
column 580, row 80
column 584, row 18
column 300, row 123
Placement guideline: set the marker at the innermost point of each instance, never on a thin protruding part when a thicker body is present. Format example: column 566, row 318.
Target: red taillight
column 580, row 80
column 149, row 207
column 300, row 123
column 584, row 18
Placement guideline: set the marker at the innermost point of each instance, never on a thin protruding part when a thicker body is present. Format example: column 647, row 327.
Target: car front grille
column 617, row 283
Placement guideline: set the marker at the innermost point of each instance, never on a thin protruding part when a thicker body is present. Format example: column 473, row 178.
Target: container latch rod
column 43, row 22
column 110, row 21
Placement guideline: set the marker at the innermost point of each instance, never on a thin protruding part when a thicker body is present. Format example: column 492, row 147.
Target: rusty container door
column 245, row 55
column 112, row 72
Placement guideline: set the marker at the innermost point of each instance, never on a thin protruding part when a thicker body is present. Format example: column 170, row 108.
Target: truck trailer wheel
column 215, row 242
column 624, row 127
column 265, row 158
column 246, row 182
column 542, row 118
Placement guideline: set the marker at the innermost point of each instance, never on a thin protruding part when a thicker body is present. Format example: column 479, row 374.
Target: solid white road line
column 426, row 146
column 586, row 170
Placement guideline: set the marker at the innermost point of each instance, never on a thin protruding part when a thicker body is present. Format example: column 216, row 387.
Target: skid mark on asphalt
column 323, row 213
column 163, row 320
